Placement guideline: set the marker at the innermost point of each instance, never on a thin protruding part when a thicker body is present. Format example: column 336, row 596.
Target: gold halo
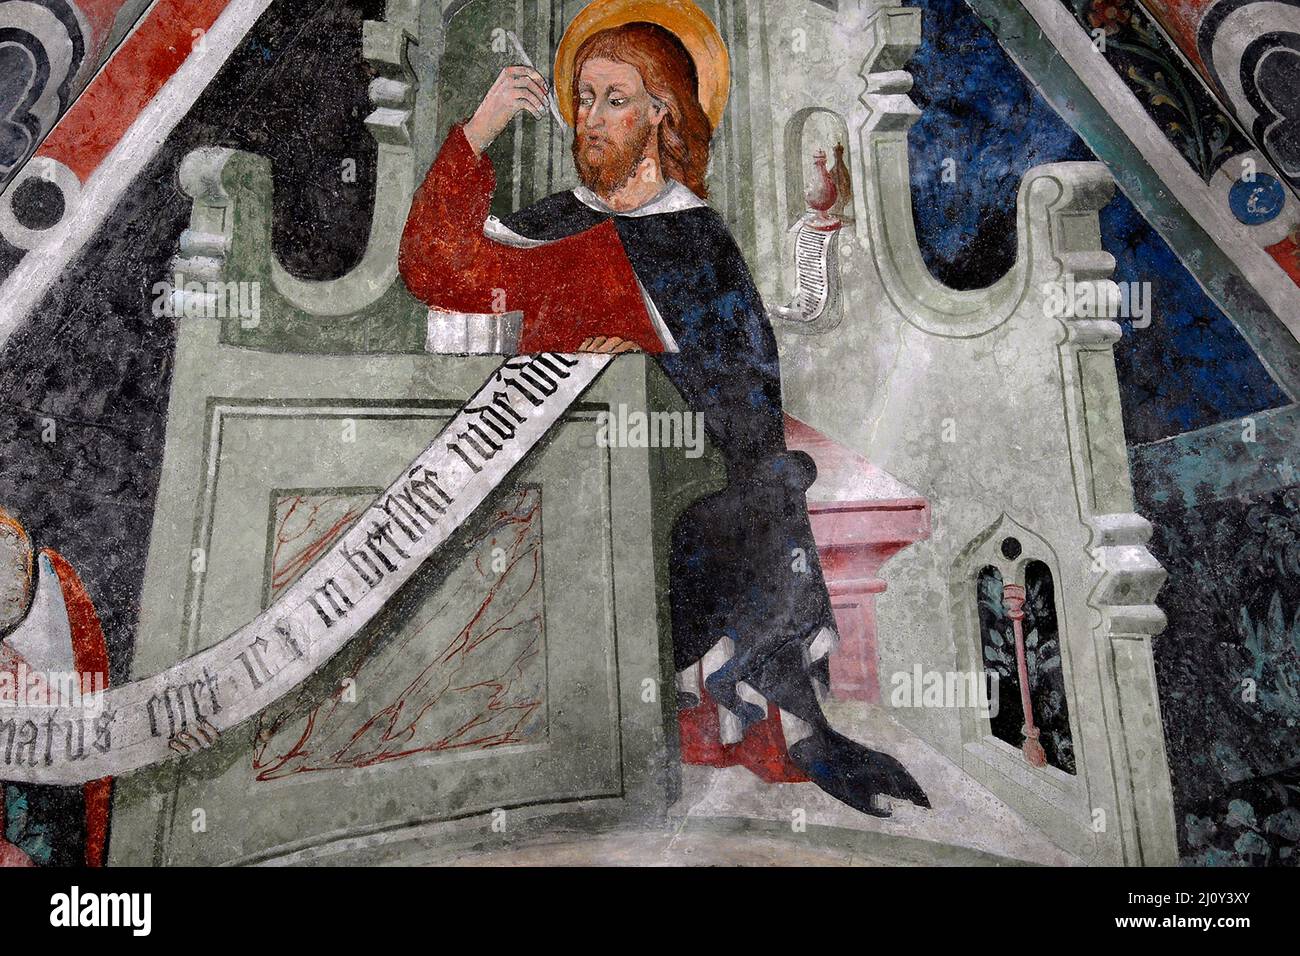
column 683, row 18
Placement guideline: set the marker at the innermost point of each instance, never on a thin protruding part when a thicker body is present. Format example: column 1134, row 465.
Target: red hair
column 668, row 73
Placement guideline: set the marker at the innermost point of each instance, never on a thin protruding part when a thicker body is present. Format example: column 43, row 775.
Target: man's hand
column 517, row 88
column 608, row 346
column 201, row 738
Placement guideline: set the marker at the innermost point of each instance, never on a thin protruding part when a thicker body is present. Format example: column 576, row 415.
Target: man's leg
column 688, row 687
column 817, row 664
column 739, row 707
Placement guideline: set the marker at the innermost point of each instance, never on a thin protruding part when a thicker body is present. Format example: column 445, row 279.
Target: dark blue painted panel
column 1190, row 367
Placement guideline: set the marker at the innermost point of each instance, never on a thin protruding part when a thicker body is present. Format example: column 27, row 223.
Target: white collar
column 674, row 197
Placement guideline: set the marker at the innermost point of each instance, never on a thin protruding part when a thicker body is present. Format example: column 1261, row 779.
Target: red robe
column 89, row 656
column 569, row 290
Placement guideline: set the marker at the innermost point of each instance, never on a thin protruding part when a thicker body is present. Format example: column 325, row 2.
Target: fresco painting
column 744, row 432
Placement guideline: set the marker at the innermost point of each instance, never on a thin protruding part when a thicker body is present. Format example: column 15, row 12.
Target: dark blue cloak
column 743, row 562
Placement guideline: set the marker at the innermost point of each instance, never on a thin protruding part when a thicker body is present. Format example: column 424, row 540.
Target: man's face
column 15, row 579
column 616, row 119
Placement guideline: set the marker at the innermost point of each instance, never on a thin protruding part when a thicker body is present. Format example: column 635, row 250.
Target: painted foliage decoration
column 1152, row 66
column 1250, row 52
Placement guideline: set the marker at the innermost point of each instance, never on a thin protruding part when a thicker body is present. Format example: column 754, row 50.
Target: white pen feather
column 550, row 87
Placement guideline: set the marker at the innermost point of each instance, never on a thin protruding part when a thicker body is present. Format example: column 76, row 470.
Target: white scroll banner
column 817, row 270
column 132, row 726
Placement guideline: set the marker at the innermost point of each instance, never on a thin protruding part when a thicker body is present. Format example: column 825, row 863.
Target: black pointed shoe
column 855, row 775
column 894, row 780
column 847, row 781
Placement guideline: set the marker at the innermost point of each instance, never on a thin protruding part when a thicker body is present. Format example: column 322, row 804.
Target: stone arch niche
column 816, row 234
column 1012, row 623
column 808, row 130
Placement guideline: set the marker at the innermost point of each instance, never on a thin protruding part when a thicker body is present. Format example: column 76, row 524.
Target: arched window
column 998, row 654
column 1015, row 602
column 1043, row 658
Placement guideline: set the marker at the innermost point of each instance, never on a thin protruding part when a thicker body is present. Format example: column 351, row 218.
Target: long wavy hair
column 668, row 73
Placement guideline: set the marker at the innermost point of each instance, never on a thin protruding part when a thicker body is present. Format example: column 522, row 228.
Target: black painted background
column 94, row 359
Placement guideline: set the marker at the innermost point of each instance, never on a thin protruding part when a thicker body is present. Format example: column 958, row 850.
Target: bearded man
column 634, row 258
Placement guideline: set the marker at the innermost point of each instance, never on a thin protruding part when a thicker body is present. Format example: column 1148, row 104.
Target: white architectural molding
column 991, row 404
column 1201, row 201
column 927, row 303
column 31, row 279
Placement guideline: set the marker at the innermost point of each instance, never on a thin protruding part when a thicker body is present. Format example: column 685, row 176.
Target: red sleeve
column 568, row 290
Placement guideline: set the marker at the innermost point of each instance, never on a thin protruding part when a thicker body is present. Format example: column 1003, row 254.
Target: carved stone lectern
column 521, row 666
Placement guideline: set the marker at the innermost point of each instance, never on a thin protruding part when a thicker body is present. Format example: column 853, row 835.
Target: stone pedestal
column 861, row 517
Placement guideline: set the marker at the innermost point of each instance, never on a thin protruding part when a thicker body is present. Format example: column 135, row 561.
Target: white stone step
column 964, row 816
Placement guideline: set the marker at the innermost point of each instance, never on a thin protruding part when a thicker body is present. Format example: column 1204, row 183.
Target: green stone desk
column 528, row 664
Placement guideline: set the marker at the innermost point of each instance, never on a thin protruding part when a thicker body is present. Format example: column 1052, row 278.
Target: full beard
column 606, row 169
